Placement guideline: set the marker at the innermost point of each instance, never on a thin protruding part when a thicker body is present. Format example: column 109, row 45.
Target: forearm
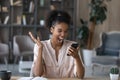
column 38, row 67
column 80, row 70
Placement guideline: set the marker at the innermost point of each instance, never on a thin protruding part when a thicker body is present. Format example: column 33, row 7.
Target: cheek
column 66, row 34
column 55, row 33
column 58, row 34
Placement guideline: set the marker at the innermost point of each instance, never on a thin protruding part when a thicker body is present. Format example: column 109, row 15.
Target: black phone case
column 75, row 45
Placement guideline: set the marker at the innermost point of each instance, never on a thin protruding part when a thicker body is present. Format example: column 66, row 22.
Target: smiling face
column 59, row 32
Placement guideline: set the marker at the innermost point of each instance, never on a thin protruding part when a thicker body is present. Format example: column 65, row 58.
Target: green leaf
column 114, row 70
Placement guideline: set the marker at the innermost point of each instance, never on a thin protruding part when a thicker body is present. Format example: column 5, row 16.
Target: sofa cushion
column 106, row 60
column 110, row 44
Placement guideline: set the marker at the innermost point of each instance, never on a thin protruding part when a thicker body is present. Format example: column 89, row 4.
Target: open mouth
column 60, row 40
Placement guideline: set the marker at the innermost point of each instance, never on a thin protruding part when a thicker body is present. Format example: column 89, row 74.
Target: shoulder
column 68, row 42
column 45, row 42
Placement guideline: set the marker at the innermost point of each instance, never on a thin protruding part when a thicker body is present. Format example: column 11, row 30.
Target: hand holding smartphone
column 74, row 45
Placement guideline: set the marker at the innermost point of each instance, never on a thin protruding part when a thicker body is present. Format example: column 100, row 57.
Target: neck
column 55, row 44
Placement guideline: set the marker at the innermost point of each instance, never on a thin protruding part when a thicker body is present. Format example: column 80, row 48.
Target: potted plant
column 98, row 10
column 114, row 73
column 97, row 15
column 82, row 34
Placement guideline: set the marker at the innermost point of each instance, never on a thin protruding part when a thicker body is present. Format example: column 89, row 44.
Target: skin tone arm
column 78, row 62
column 38, row 66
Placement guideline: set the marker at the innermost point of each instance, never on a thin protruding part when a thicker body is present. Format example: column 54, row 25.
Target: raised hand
column 36, row 40
column 73, row 51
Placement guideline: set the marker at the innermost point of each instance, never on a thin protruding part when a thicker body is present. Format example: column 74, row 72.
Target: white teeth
column 60, row 40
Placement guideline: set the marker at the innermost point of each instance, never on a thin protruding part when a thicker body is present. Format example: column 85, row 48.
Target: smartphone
column 74, row 45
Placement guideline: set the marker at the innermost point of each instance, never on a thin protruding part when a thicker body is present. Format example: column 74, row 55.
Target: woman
column 50, row 56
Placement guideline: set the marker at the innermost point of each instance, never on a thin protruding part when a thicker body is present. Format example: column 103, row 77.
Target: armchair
column 4, row 52
column 22, row 46
column 107, row 54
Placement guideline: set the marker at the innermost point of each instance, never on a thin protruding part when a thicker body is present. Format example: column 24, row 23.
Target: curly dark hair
column 57, row 16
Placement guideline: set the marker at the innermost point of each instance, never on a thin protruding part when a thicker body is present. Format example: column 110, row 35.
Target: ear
column 51, row 29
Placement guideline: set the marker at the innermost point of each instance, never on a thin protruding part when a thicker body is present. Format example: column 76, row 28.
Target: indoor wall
column 112, row 23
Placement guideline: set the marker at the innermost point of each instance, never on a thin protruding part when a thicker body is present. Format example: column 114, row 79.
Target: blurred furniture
column 22, row 47
column 5, row 45
column 86, row 78
column 25, row 66
column 107, row 54
column 4, row 52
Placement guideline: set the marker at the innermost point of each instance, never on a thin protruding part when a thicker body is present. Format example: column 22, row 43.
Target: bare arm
column 38, row 66
column 80, row 70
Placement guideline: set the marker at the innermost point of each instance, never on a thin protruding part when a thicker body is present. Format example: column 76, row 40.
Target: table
column 86, row 78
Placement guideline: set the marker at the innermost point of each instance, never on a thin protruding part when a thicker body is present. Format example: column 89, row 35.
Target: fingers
column 72, row 52
column 37, row 41
column 33, row 38
column 38, row 38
